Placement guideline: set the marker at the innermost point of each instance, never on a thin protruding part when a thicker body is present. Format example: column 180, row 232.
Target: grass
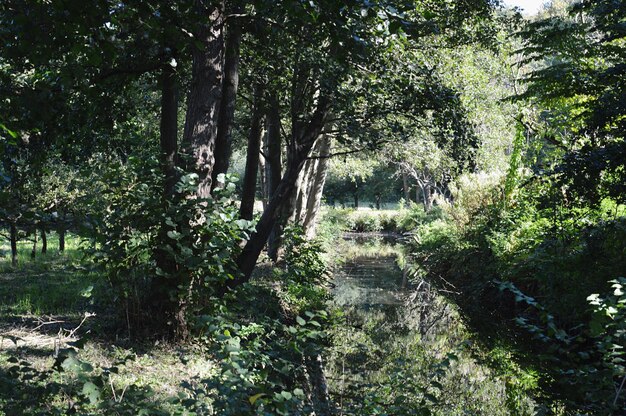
column 56, row 283
column 48, row 302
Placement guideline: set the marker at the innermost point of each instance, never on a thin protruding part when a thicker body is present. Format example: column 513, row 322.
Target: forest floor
column 48, row 303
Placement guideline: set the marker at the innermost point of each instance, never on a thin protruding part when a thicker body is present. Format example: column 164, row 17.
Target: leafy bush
column 549, row 251
column 165, row 263
column 411, row 217
column 266, row 339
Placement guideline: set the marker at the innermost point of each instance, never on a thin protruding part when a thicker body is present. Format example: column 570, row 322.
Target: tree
column 580, row 82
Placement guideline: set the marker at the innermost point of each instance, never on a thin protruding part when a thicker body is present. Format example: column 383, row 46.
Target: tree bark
column 427, row 198
column 223, row 141
column 317, row 189
column 250, row 253
column 246, row 210
column 301, row 199
column 61, row 238
column 274, row 144
column 405, row 187
column 161, row 289
column 319, row 386
column 169, row 128
column 44, row 240
column 417, row 194
column 301, row 143
column 274, row 168
column 263, row 177
column 33, row 253
column 13, row 238
column 205, row 95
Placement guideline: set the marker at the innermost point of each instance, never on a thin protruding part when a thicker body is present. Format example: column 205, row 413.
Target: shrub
column 164, row 263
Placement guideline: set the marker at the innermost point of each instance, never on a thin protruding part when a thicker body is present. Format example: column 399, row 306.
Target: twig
column 47, row 323
column 113, row 389
column 621, row 386
column 73, row 331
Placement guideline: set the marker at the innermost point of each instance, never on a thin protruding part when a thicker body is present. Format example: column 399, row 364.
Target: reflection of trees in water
column 428, row 313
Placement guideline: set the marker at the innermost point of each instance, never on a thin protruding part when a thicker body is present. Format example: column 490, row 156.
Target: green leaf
column 253, row 399
column 300, row 320
column 92, row 392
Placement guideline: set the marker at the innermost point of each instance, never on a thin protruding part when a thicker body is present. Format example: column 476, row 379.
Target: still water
column 403, row 347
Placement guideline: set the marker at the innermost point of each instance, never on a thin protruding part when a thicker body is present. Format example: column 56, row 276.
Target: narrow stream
column 403, row 348
column 370, row 275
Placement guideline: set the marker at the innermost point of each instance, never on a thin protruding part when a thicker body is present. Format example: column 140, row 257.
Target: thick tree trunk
column 274, row 168
column 13, row 238
column 223, row 141
column 169, row 128
column 317, row 187
column 203, row 102
column 246, row 210
column 44, row 240
column 161, row 306
column 61, row 232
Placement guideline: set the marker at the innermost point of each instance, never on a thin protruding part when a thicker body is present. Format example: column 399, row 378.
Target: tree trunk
column 13, row 238
column 223, row 141
column 274, row 144
column 303, row 136
column 169, row 128
column 263, row 178
column 254, row 246
column 246, row 210
column 317, row 188
column 428, row 203
column 274, row 168
column 356, row 198
column 161, row 305
column 33, row 253
column 405, row 187
column 296, row 158
column 61, row 238
column 205, row 96
column 301, row 200
column 417, row 193
column 44, row 240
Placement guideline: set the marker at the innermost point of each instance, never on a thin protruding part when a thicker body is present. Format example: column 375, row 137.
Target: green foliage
column 265, row 358
column 515, row 164
column 164, row 261
column 412, row 216
column 74, row 385
column 584, row 116
column 539, row 248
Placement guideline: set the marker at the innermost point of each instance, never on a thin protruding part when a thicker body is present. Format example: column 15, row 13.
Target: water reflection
column 370, row 275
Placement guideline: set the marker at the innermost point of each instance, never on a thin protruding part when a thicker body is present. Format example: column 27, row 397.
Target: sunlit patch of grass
column 50, row 284
column 41, row 262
